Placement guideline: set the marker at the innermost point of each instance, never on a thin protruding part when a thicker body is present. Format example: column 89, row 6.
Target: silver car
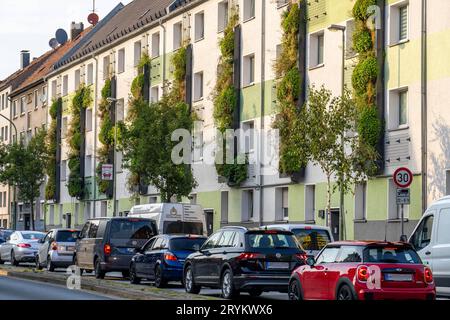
column 21, row 246
column 57, row 249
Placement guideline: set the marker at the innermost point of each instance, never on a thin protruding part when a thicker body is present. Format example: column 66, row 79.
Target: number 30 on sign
column 403, row 177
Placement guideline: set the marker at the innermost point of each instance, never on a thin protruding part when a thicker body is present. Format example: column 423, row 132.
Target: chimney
column 76, row 29
column 24, row 58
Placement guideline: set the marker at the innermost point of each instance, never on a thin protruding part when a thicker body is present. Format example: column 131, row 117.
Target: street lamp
column 111, row 101
column 335, row 28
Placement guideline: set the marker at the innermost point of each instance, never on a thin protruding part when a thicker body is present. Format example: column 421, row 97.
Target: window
column 402, row 108
column 316, row 50
column 88, row 166
column 350, row 254
column 54, row 89
column 120, row 110
column 177, row 35
column 198, row 86
column 87, row 211
column 328, row 255
column 137, row 53
column 44, row 95
column 281, row 3
column 247, row 205
column 92, row 234
column 310, row 203
column 394, row 209
column 121, row 61
column 312, row 239
column 64, row 127
column 227, row 239
column 249, row 70
column 249, row 9
column 199, row 26
column 88, row 120
column 212, row 241
column 224, row 206
column 154, row 94
column 15, row 108
column 36, row 99
column 103, row 209
column 90, row 74
column 155, row 45
column 398, row 23
column 29, row 120
column 349, row 31
column 361, row 201
column 65, row 89
column 106, row 67
column 22, row 105
column 249, row 136
column 398, row 108
column 403, row 23
column 6, row 137
column 63, row 170
column 153, row 199
column 222, row 16
column 77, row 78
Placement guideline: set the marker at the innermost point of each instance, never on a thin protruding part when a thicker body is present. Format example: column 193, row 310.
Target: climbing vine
column 52, row 146
column 81, row 100
column 225, row 103
column 288, row 87
column 365, row 76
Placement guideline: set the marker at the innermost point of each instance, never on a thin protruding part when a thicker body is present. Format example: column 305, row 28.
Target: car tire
column 159, row 279
column 227, row 285
column 255, row 293
column 134, row 279
column 50, row 265
column 1, row 261
column 99, row 273
column 294, row 290
column 188, row 280
column 38, row 265
column 14, row 262
column 345, row 293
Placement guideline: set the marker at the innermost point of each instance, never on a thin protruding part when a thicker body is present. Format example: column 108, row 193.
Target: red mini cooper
column 363, row 270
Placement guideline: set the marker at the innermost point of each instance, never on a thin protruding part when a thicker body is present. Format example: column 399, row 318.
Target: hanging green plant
column 52, row 146
column 81, row 100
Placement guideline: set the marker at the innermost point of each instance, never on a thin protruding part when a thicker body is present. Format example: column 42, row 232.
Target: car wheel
column 345, row 293
column 50, row 265
column 14, row 262
column 99, row 273
column 159, row 280
column 134, row 279
column 294, row 291
column 1, row 261
column 255, row 293
column 227, row 284
column 38, row 265
column 189, row 284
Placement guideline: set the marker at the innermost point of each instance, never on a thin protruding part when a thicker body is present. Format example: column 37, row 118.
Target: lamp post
column 335, row 28
column 114, row 101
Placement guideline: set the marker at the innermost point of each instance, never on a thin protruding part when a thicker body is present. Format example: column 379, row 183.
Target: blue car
column 162, row 258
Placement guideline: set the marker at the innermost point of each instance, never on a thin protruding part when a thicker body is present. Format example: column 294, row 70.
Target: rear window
column 179, row 227
column 67, row 236
column 271, row 241
column 186, row 244
column 391, row 254
column 33, row 236
column 312, row 239
column 132, row 229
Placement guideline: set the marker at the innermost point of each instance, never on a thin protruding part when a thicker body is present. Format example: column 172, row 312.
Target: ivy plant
column 52, row 146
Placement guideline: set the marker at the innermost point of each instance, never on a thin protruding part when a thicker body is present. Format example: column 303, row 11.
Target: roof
column 368, row 242
column 134, row 16
column 16, row 78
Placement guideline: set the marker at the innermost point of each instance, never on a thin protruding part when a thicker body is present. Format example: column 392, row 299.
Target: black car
column 237, row 259
column 162, row 258
column 108, row 244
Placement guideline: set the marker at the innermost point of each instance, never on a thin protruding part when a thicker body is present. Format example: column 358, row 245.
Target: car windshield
column 272, row 240
column 391, row 254
column 132, row 229
column 33, row 236
column 67, row 236
column 186, row 244
column 179, row 227
column 5, row 234
column 312, row 239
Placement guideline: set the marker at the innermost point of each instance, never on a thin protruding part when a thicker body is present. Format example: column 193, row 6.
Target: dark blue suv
column 162, row 258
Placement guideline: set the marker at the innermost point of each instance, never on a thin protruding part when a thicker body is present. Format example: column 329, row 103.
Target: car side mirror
column 403, row 238
column 310, row 261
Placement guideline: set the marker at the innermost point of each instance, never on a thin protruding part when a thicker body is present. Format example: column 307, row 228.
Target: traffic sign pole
column 403, row 178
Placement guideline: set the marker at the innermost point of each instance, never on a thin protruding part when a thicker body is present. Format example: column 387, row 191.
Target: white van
column 431, row 239
column 173, row 218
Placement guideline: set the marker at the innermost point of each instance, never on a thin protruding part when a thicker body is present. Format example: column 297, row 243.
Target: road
column 13, row 289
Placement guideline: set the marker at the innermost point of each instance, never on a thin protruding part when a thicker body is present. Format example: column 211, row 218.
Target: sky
column 30, row 24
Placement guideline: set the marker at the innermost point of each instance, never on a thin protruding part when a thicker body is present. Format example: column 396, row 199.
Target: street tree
column 23, row 165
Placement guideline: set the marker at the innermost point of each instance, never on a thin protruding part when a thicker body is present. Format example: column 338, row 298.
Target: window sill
column 199, row 39
column 360, row 220
column 397, row 220
column 402, row 128
column 317, row 67
column 248, row 85
column 155, row 56
column 249, row 19
column 22, row 114
column 282, row 6
column 198, row 100
column 310, row 222
column 399, row 43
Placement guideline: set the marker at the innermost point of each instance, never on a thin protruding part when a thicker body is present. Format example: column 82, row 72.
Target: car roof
column 175, row 236
column 120, row 218
column 297, row 226
column 368, row 243
column 66, row 229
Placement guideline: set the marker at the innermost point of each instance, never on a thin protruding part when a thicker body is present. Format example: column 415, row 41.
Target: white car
column 57, row 249
column 312, row 237
column 21, row 246
column 431, row 239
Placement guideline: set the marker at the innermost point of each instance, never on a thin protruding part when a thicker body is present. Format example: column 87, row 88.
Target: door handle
column 427, row 253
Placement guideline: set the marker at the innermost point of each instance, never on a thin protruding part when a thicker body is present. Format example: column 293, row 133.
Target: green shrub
column 51, row 143
column 361, row 7
column 369, row 125
column 362, row 41
column 289, row 87
column 365, row 72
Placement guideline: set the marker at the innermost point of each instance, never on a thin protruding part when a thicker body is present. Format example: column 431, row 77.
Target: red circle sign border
column 410, row 180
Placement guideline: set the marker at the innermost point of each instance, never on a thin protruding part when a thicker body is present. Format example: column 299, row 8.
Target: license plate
column 70, row 249
column 398, row 277
column 277, row 265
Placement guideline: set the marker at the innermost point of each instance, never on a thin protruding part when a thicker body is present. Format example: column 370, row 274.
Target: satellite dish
column 53, row 43
column 93, row 19
column 61, row 36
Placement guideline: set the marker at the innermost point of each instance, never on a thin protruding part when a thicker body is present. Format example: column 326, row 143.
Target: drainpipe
column 95, row 131
column 163, row 54
column 424, row 106
column 263, row 93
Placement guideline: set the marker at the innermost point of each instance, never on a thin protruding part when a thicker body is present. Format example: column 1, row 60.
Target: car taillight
column 24, row 245
column 428, row 275
column 107, row 249
column 363, row 273
column 302, row 256
column 250, row 256
column 54, row 246
column 170, row 257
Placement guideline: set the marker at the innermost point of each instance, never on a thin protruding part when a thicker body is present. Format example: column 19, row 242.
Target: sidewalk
column 107, row 287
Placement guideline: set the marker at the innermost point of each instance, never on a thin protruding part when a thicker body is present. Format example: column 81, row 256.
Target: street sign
column 403, row 177
column 403, row 196
column 107, row 172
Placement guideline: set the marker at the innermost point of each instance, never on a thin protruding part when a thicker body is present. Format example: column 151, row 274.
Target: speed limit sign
column 403, row 177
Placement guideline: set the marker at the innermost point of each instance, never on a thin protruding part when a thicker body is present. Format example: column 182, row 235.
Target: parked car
column 363, row 270
column 312, row 238
column 237, row 259
column 108, row 244
column 4, row 235
column 431, row 239
column 162, row 258
column 57, row 249
column 21, row 246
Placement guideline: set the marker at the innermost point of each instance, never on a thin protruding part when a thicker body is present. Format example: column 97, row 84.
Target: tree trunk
column 32, row 214
column 328, row 213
